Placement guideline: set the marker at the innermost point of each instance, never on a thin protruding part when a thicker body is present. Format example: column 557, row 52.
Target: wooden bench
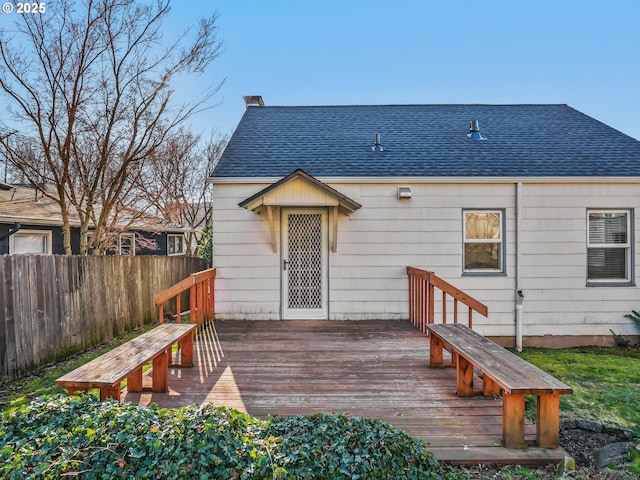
column 503, row 373
column 126, row 361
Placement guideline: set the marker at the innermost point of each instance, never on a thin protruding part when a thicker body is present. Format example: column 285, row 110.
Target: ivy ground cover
column 63, row 435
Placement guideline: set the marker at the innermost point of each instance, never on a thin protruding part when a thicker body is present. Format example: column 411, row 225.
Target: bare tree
column 174, row 183
column 90, row 92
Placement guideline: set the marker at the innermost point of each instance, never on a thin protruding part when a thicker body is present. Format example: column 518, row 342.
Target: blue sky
column 325, row 52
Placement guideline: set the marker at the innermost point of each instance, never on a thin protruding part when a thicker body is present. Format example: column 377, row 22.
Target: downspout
column 519, row 294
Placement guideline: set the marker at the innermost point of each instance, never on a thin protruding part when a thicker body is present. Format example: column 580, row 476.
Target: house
column 530, row 209
column 32, row 223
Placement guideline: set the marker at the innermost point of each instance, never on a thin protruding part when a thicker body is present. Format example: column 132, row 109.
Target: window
column 609, row 246
column 30, row 241
column 127, row 244
column 483, row 241
column 175, row 244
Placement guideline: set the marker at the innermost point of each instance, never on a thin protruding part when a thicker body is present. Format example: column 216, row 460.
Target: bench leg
column 513, row 421
column 464, row 374
column 134, row 381
column 161, row 373
column 186, row 351
column 435, row 351
column 489, row 387
column 113, row 392
column 548, row 421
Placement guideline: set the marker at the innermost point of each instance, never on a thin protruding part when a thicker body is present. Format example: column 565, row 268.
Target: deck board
column 360, row 368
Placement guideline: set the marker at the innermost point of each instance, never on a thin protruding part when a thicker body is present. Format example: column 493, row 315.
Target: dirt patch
column 583, row 445
column 580, row 444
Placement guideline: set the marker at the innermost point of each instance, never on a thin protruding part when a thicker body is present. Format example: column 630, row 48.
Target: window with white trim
column 175, row 244
column 127, row 244
column 483, row 249
column 609, row 246
column 30, row 241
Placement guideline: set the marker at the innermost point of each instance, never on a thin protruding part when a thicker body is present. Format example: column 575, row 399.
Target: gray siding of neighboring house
column 156, row 245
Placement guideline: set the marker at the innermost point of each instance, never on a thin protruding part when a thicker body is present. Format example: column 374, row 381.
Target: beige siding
column 299, row 193
column 375, row 244
column 378, row 242
column 554, row 256
column 248, row 274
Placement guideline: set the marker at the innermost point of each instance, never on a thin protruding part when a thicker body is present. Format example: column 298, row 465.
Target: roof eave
column 448, row 179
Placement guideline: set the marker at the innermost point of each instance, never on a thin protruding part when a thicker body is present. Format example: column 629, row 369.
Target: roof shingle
column 427, row 141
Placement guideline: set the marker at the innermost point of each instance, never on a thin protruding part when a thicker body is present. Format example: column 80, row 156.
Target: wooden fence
column 422, row 299
column 55, row 305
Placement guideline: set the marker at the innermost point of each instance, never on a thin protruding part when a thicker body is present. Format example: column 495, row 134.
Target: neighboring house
column 32, row 223
column 319, row 210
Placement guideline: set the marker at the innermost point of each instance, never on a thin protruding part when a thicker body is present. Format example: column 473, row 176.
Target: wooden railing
column 422, row 298
column 201, row 296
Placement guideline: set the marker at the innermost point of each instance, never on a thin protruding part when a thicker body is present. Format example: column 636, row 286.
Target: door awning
column 299, row 189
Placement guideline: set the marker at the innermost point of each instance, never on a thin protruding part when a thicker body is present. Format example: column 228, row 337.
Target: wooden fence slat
column 54, row 303
column 3, row 324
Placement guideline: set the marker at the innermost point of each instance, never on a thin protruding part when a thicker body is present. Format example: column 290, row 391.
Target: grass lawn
column 605, row 381
column 42, row 381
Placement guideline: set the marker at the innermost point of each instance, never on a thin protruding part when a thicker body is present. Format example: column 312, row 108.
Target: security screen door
column 304, row 264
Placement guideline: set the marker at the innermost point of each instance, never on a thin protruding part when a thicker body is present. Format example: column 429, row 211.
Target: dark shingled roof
column 427, row 141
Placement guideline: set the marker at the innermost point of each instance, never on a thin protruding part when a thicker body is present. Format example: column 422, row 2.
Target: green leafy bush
column 635, row 316
column 336, row 446
column 77, row 435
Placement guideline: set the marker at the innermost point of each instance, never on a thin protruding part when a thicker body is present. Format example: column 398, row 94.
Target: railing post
column 431, row 300
column 419, row 302
column 207, row 298
column 422, row 285
column 411, row 300
column 201, row 287
column 200, row 290
column 444, row 307
column 424, row 292
column 455, row 310
column 192, row 304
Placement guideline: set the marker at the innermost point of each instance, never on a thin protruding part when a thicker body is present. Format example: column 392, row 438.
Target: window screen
column 608, row 246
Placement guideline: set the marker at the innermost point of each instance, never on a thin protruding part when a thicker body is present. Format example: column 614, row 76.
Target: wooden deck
column 360, row 368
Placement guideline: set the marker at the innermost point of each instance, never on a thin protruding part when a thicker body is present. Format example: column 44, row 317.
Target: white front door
column 304, row 264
